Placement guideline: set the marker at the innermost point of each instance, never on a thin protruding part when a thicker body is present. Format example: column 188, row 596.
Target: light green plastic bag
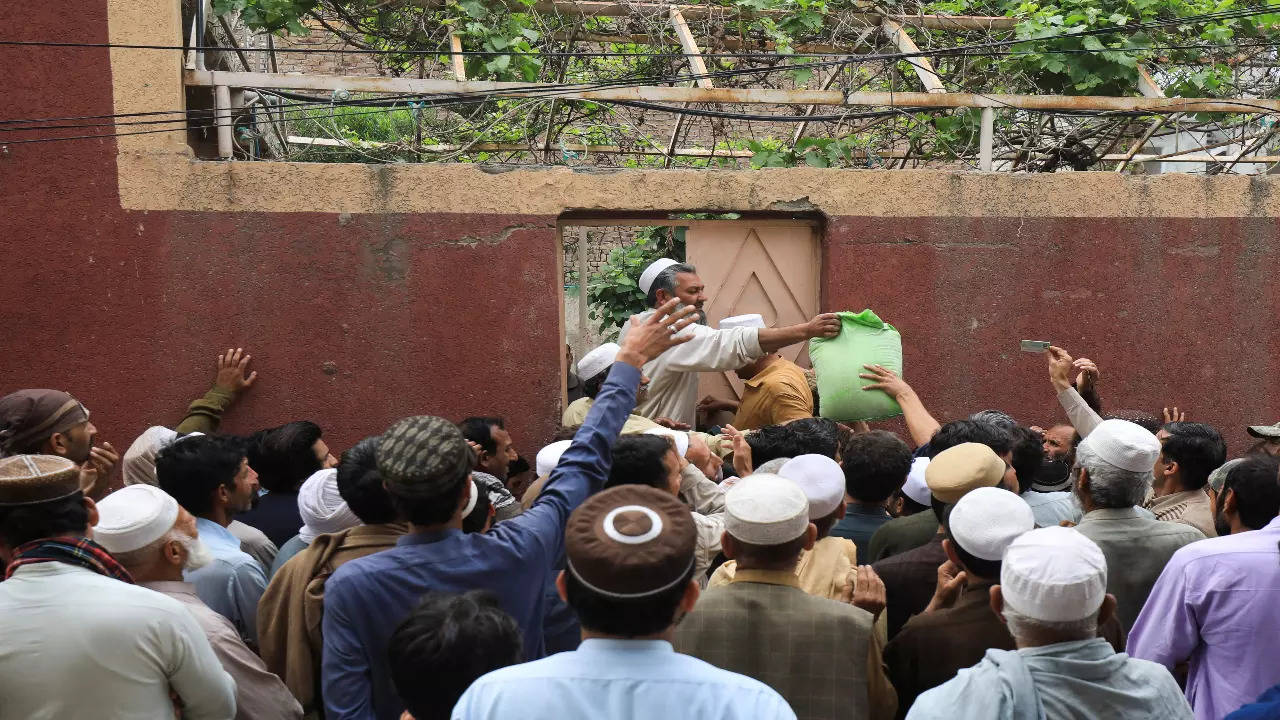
column 864, row 339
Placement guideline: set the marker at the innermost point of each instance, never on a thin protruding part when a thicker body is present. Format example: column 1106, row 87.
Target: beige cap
column 955, row 471
column 32, row 479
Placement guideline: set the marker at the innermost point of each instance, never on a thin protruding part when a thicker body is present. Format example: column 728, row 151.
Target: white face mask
column 198, row 554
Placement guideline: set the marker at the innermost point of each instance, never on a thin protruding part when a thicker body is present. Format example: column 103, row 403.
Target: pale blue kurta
column 619, row 680
column 1084, row 679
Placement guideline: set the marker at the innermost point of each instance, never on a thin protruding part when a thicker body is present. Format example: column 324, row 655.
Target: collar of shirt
column 1128, row 513
column 860, row 509
column 1172, row 500
column 428, row 537
column 215, row 536
column 171, row 587
column 758, row 379
column 768, row 577
column 612, row 646
column 1273, row 525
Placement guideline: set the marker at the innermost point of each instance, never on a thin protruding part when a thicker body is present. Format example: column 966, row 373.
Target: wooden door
column 768, row 267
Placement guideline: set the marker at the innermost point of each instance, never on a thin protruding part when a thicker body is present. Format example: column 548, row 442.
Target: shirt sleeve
column 709, row 529
column 345, row 672
column 247, row 584
column 259, row 694
column 713, row 350
column 206, row 690
column 1082, row 417
column 702, row 495
column 1167, row 630
column 205, row 414
column 882, row 701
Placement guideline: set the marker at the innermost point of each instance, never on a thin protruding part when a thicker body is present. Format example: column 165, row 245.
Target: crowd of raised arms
column 662, row 556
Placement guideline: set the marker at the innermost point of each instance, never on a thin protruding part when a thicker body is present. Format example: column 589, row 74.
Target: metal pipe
column 222, row 118
column 986, row 141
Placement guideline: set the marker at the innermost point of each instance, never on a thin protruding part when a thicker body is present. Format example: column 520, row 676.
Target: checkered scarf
column 79, row 551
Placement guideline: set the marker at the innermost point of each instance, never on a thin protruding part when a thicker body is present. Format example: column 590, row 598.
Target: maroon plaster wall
column 356, row 321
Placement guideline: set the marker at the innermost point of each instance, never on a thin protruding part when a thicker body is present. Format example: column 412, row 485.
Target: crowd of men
column 663, row 555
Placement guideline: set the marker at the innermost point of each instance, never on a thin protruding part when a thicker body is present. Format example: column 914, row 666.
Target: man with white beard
column 155, row 539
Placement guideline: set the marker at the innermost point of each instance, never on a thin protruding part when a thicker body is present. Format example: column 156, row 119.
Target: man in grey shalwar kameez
column 1052, row 595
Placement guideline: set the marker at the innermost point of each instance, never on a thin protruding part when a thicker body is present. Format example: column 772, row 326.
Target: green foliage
column 814, row 152
column 496, row 29
column 272, row 16
column 615, row 294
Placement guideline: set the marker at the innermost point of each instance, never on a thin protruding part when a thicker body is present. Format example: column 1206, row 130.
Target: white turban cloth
column 139, row 462
column 322, row 508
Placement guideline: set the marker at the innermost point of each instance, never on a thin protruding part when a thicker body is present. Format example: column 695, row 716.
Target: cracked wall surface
column 368, row 293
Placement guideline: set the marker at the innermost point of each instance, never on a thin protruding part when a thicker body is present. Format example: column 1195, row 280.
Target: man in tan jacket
column 291, row 609
column 823, row 656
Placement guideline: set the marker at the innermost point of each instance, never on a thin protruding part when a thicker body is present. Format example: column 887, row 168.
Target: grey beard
column 699, row 316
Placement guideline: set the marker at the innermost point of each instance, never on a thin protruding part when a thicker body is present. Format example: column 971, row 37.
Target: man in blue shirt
column 629, row 576
column 426, row 464
column 876, row 464
column 209, row 475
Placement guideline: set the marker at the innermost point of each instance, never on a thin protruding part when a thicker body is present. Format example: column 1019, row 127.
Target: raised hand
column 826, row 325
column 951, row 580
column 1088, row 374
column 741, row 451
column 660, row 332
column 1174, row 415
column 95, row 473
column 1061, row 366
column 886, row 380
column 231, row 375
column 869, row 592
column 672, row 424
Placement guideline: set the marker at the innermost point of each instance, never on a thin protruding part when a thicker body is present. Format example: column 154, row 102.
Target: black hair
column 430, row 509
column 1143, row 419
column 1197, row 448
column 1256, row 483
column 815, row 436
column 629, row 617
column 517, row 466
column 474, row 521
column 772, row 442
column 193, row 468
column 284, row 457
column 666, row 280
column 824, row 524
column 445, row 644
column 939, row 507
column 638, row 460
column 479, row 430
column 1028, row 456
column 876, row 465
column 20, row 524
column 909, row 506
column 987, row 569
column 958, row 432
column 360, row 484
column 591, row 386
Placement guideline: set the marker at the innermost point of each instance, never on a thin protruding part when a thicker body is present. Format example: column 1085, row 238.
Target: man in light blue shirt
column 629, row 577
column 210, row 476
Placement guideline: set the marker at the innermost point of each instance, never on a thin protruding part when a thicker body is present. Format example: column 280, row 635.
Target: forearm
column 702, row 495
column 920, row 423
column 1082, row 417
column 774, row 339
column 205, row 414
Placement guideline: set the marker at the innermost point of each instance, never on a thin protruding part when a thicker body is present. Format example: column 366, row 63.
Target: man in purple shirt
column 426, row 464
column 1216, row 606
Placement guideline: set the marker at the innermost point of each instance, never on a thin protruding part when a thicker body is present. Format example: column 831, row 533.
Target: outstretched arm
column 205, row 414
column 920, row 423
column 826, row 325
column 1061, row 368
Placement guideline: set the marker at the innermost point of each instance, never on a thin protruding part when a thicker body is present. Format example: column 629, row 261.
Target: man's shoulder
column 361, row 569
column 1226, row 548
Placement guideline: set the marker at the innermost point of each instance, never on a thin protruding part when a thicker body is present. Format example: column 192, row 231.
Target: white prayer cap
column 764, row 509
column 820, row 478
column 321, row 506
column 597, row 361
column 134, row 517
column 1054, row 574
column 1126, row 445
column 471, row 501
column 986, row 520
column 773, row 466
column 549, row 456
column 915, row 487
column 753, row 320
column 139, row 462
column 681, row 438
column 651, row 273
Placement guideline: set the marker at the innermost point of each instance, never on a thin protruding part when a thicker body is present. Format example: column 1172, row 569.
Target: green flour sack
column 864, row 339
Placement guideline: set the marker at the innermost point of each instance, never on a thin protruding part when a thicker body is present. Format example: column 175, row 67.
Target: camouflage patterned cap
column 424, row 456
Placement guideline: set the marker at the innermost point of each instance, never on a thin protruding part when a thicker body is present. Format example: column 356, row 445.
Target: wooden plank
column 923, row 68
column 459, row 60
column 699, row 12
column 691, row 50
column 222, row 119
column 986, row 139
column 766, row 96
column 1148, row 87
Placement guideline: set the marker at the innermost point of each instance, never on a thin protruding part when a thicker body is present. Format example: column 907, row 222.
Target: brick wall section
column 600, row 242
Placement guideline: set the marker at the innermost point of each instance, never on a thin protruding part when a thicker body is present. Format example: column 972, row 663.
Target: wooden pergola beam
column 921, row 64
column 731, row 44
column 596, row 8
column 747, row 96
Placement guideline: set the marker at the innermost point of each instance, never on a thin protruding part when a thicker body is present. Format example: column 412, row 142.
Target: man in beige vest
column 821, row 655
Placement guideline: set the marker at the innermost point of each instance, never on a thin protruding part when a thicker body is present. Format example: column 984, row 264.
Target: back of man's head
column 982, row 432
column 1117, row 459
column 1053, row 587
column 285, row 456
column 1255, row 482
column 982, row 525
column 815, row 436
column 445, row 644
column 1028, row 456
column 40, row 497
column 999, row 418
column 876, row 464
column 639, row 460
column 425, row 462
column 360, row 484
column 191, row 469
column 1197, row 448
column 772, row 442
column 479, row 430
